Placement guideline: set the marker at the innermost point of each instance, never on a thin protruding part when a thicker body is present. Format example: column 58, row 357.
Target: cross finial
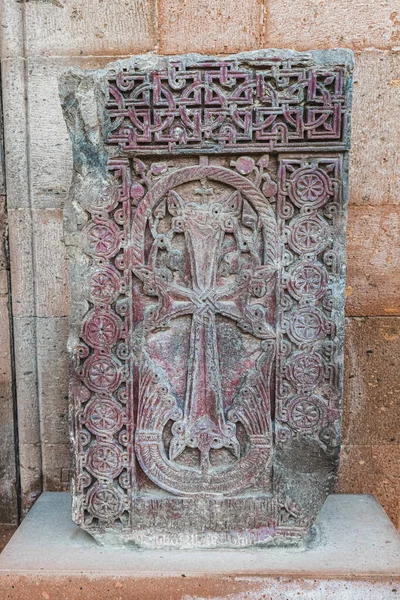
column 203, row 191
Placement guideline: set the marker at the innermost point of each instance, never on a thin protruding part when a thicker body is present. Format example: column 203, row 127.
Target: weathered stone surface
column 374, row 469
column 30, row 451
column 5, row 347
column 353, row 24
column 21, row 262
column 15, row 132
column 370, row 456
column 372, row 381
column 38, row 263
column 90, row 27
column 209, row 26
column 53, row 379
column 6, row 533
column 373, row 250
column 374, row 164
column 52, row 337
column 51, row 268
column 3, row 260
column 206, row 238
column 359, row 559
column 8, row 484
column 50, row 150
column 11, row 39
column 56, row 467
column 8, row 475
column 2, row 178
column 375, row 129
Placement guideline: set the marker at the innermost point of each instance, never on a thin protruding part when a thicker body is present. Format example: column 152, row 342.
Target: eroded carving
column 207, row 375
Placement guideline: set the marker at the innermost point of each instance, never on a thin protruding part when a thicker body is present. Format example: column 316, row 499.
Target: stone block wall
column 8, row 478
column 39, row 40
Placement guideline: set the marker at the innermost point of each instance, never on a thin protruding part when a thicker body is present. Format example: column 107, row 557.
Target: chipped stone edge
column 82, row 95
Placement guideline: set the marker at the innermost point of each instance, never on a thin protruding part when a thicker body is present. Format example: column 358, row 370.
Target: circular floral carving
column 103, row 239
column 310, row 186
column 104, row 285
column 104, row 460
column 308, row 234
column 308, row 279
column 101, row 328
column 105, row 502
column 103, row 416
column 307, row 325
column 101, row 373
column 305, row 413
column 305, row 369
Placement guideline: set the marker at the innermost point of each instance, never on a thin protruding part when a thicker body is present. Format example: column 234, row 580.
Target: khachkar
column 207, row 242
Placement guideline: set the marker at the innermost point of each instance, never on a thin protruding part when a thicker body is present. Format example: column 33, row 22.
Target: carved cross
column 204, row 225
column 203, row 191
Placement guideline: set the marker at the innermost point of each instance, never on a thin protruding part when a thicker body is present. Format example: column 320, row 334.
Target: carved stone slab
column 207, row 243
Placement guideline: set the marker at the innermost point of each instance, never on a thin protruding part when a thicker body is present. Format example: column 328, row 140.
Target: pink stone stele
column 206, row 380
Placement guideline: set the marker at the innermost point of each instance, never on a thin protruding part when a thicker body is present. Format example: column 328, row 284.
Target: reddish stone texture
column 20, row 587
column 192, row 294
column 304, row 24
column 370, row 457
column 71, row 28
column 375, row 129
column 6, row 533
column 372, row 469
column 372, row 381
column 373, row 267
column 210, row 27
column 182, row 587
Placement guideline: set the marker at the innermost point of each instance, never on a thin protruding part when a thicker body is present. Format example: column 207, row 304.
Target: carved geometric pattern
column 217, row 104
column 305, row 413
column 310, row 205
column 211, row 348
column 305, row 369
column 103, row 416
column 308, row 279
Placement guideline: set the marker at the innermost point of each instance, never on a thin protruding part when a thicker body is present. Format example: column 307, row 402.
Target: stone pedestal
column 354, row 554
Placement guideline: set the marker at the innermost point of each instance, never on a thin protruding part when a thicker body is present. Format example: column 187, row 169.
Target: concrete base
column 355, row 555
